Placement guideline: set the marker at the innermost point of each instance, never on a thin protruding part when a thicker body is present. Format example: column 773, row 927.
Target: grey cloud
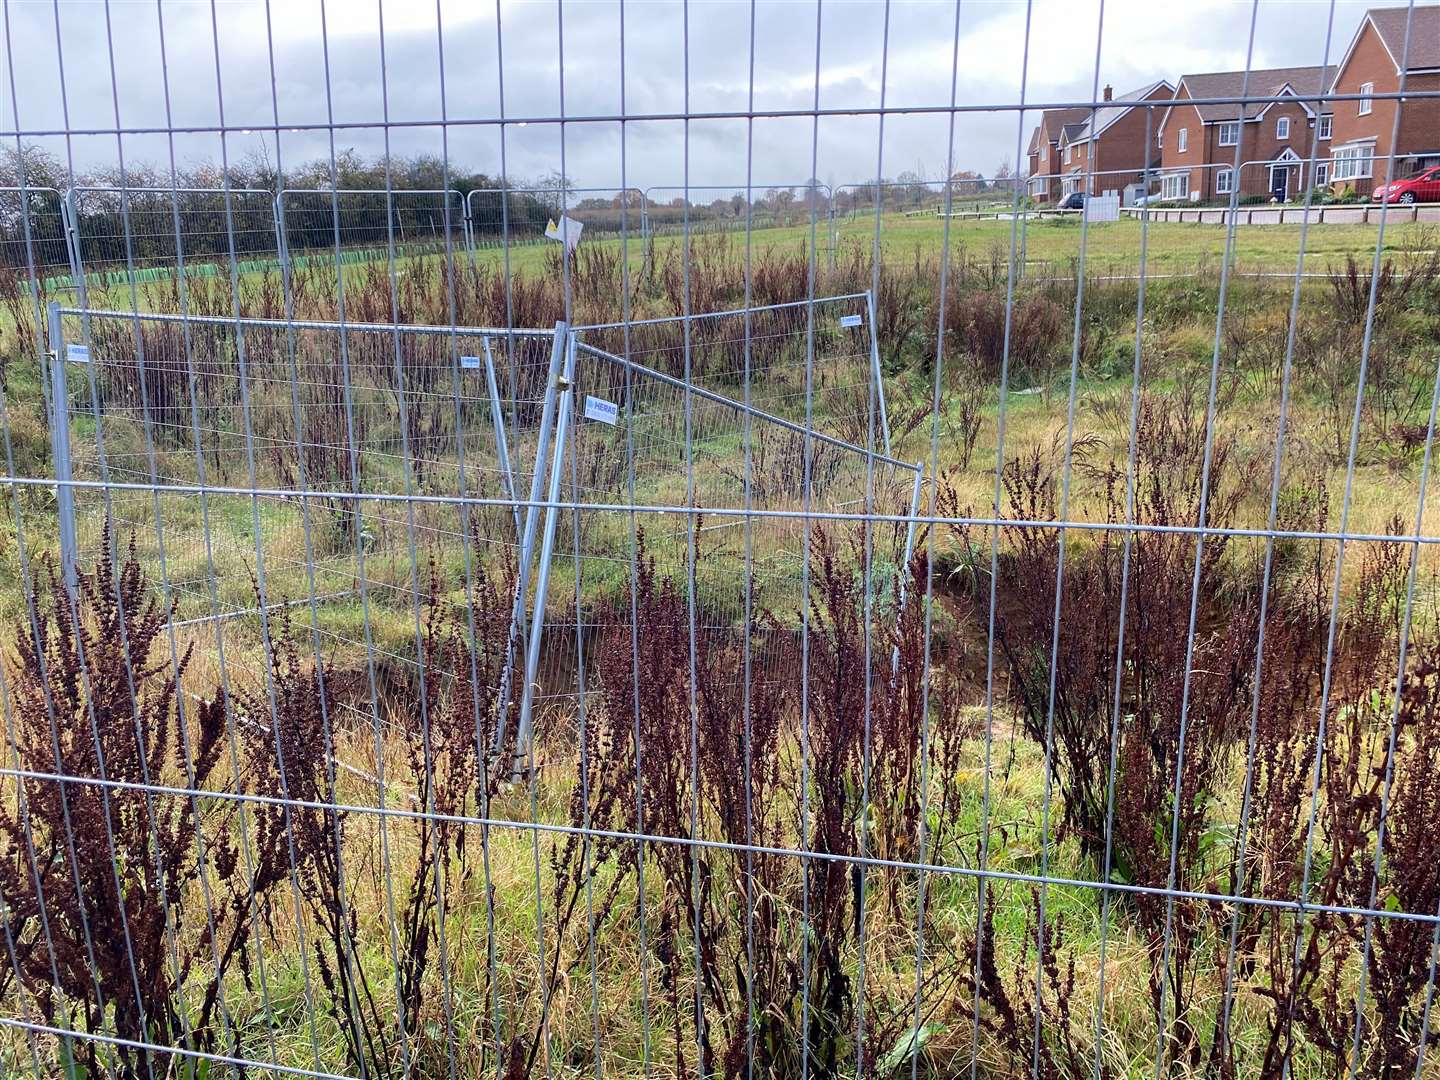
column 1142, row 41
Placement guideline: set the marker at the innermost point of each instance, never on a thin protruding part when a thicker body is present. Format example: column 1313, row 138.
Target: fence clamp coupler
column 562, row 383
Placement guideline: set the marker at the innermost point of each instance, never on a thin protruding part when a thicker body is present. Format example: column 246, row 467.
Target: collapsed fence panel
column 174, row 405
column 814, row 363
column 632, row 435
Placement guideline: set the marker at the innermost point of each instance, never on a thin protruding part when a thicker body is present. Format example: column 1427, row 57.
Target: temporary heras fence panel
column 501, row 219
column 32, row 234
column 692, row 209
column 661, row 480
column 378, row 450
column 812, row 362
column 120, row 234
column 368, row 224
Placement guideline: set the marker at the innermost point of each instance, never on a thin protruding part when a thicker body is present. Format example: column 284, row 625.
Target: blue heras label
column 850, row 320
column 77, row 354
column 607, row 412
column 469, row 361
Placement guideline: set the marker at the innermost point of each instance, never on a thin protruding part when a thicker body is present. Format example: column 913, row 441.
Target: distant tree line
column 144, row 224
column 193, row 203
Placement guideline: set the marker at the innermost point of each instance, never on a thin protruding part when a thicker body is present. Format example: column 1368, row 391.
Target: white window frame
column 1231, row 127
column 1224, row 181
column 1282, row 127
column 1067, row 154
column 1045, row 155
column 1175, row 185
column 1367, row 104
column 1327, row 125
column 1322, row 173
column 1182, row 141
column 1353, row 162
column 1160, row 139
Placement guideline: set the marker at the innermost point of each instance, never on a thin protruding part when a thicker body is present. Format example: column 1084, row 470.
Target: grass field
column 1048, row 244
column 381, row 945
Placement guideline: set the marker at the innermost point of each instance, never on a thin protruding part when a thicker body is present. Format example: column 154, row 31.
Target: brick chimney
column 1109, row 92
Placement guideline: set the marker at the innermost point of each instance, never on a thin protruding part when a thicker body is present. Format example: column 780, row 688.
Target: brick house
column 1044, row 152
column 1274, row 138
column 1110, row 151
column 1365, row 134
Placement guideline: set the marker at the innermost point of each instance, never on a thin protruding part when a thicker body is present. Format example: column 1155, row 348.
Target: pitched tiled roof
column 1053, row 120
column 1391, row 22
column 1105, row 117
column 1270, row 82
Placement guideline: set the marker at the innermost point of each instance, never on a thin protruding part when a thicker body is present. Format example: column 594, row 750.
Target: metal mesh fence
column 368, row 223
column 916, row 629
column 150, row 228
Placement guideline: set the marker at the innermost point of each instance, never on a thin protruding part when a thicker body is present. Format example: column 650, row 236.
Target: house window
column 1366, row 104
column 1175, row 186
column 1353, row 162
column 1282, row 128
column 1326, row 122
column 1322, row 173
column 1160, row 139
column 1067, row 155
column 1225, row 181
column 1182, row 141
column 1229, row 134
column 1044, row 155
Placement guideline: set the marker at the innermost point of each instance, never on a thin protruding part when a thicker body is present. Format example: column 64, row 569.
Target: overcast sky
column 1140, row 41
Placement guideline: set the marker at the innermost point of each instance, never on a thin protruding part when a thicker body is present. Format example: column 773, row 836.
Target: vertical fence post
column 282, row 242
column 60, row 449
column 901, row 598
column 875, row 372
column 834, row 223
column 70, row 225
column 565, row 409
column 502, row 445
column 527, row 536
column 467, row 232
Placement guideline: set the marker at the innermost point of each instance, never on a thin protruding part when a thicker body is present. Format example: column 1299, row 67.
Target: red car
column 1422, row 187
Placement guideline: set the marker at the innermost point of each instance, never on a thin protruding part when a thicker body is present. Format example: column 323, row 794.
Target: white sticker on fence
column 77, row 354
column 607, row 412
column 470, row 362
column 566, row 229
column 850, row 320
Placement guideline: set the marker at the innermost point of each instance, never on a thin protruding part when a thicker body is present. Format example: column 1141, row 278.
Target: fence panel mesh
column 974, row 615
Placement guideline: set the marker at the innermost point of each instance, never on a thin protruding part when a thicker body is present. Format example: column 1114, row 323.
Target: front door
column 1280, row 182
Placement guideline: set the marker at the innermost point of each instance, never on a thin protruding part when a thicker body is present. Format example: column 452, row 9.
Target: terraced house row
column 1289, row 135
